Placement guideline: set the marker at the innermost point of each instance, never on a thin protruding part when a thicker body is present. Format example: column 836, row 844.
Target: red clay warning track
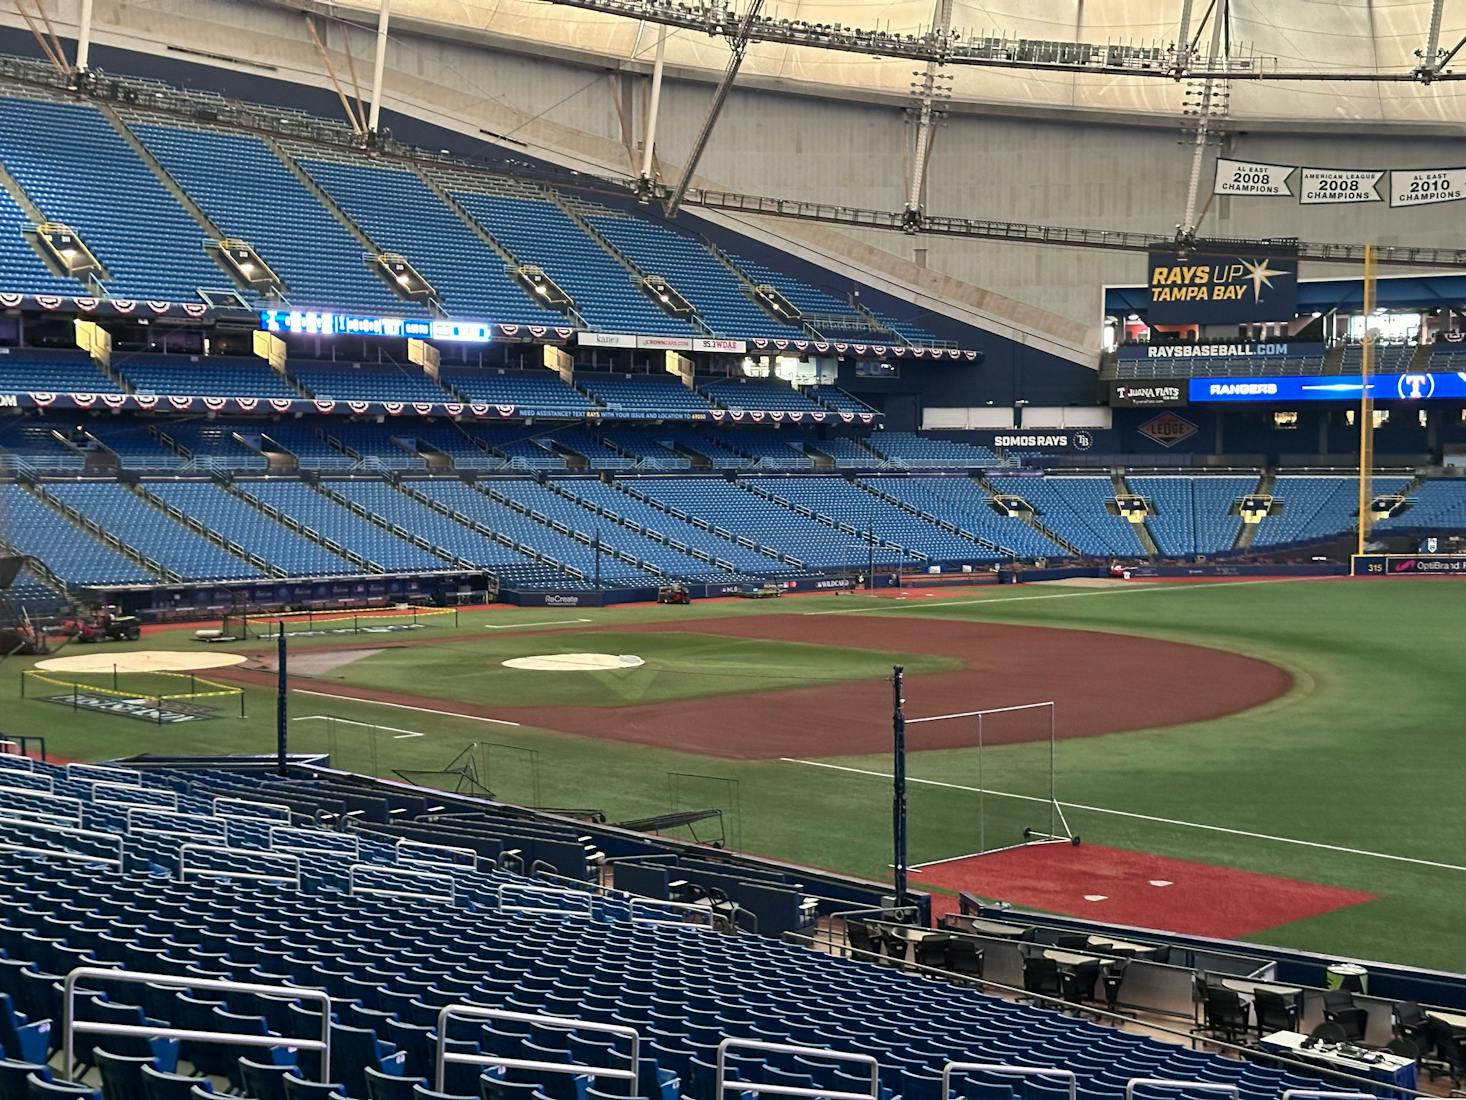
column 1102, row 683
column 1118, row 886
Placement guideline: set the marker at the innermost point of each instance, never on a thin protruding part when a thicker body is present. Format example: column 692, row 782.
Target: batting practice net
column 1000, row 791
column 343, row 621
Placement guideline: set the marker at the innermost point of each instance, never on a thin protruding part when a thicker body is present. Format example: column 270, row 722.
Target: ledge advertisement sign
column 1191, row 288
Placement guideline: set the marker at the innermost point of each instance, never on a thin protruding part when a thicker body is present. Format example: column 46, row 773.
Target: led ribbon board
column 320, row 323
column 1329, row 387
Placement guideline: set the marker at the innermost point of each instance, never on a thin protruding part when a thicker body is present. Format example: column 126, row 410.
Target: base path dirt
column 1101, row 683
column 1118, row 886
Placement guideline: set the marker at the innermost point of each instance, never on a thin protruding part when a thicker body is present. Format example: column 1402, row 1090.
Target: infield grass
column 1367, row 752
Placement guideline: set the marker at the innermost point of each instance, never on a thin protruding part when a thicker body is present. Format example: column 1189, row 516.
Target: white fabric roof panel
column 1314, row 35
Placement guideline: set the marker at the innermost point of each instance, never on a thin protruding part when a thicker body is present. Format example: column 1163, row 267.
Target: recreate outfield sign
column 1335, row 387
column 1190, row 288
column 144, row 710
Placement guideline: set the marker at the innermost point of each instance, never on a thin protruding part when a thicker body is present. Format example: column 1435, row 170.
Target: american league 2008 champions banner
column 1339, row 186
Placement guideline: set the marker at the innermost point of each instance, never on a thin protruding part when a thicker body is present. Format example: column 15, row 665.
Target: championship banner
column 1329, row 186
column 1240, row 177
column 1189, row 288
column 1425, row 187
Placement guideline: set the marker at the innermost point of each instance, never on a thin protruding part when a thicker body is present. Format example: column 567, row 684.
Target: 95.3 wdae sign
column 1190, row 288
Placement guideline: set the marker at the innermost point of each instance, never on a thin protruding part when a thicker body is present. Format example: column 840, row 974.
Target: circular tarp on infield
column 141, row 660
column 576, row 662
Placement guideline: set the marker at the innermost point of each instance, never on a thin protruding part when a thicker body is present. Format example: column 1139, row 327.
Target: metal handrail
column 353, row 852
column 77, row 817
column 228, row 872
column 722, row 1085
column 223, row 800
column 353, row 887
column 1190, row 1086
column 532, row 890
column 473, row 856
column 71, row 1027
column 74, row 770
column 62, row 853
column 636, row 901
column 479, row 1012
column 139, row 830
column 23, row 778
column 101, row 787
column 1012, row 1071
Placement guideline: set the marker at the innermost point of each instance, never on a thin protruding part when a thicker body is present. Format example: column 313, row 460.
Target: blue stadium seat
column 400, row 213
column 250, row 194
column 78, row 169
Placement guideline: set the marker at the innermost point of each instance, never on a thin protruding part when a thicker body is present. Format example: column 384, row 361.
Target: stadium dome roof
column 1339, row 36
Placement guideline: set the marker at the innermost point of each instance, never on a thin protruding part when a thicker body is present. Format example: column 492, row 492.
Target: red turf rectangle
column 1119, row 886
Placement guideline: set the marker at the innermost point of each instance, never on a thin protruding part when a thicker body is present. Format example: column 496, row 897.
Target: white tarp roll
column 1328, row 186
column 1427, row 186
column 1241, row 177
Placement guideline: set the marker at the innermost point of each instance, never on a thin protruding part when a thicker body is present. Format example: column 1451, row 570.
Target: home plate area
column 1118, row 886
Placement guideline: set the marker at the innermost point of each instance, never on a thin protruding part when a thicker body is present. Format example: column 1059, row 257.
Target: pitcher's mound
column 576, row 662
column 141, row 660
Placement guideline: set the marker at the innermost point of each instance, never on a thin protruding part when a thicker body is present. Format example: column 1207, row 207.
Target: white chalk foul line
column 1135, row 816
column 401, row 735
column 404, row 706
column 1137, row 587
column 552, row 622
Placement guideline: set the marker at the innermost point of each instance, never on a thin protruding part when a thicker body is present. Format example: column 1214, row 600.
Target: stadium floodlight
column 406, row 279
column 248, row 265
column 64, row 246
column 782, row 308
column 665, row 295
column 541, row 287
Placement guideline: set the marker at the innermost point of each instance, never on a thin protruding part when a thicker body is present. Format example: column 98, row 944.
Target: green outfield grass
column 1368, row 751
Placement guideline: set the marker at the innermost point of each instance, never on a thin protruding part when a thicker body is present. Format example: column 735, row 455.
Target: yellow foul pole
column 1366, row 404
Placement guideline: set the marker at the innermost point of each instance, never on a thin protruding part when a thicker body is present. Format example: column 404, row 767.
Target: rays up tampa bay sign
column 1193, row 288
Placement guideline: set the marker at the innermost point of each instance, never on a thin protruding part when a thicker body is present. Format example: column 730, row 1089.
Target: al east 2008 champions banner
column 1192, row 288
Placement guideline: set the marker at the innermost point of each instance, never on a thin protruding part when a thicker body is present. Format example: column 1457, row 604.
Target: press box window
column 1381, row 417
column 1285, row 421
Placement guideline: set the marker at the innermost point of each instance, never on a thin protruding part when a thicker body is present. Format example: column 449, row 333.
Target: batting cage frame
column 316, row 622
column 899, row 824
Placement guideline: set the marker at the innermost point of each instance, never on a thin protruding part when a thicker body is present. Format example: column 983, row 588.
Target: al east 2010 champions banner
column 1192, row 288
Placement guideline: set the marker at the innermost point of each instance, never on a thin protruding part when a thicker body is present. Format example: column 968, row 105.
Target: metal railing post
column 722, row 1084
column 1066, row 1075
column 1189, row 1086
column 426, row 877
column 71, row 1027
column 443, row 1056
column 233, row 872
